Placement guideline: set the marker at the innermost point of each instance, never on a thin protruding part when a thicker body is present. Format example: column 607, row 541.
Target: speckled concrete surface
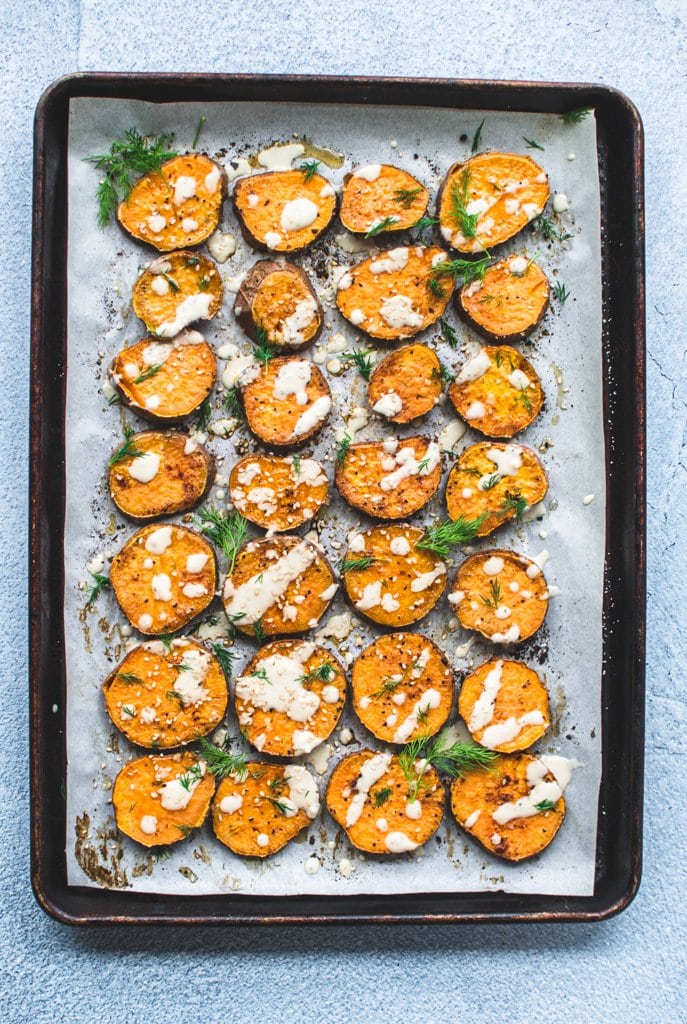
column 631, row 969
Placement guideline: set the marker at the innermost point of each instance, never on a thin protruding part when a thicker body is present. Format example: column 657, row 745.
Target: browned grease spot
column 101, row 863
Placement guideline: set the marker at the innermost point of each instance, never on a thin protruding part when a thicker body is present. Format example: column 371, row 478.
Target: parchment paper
column 566, row 352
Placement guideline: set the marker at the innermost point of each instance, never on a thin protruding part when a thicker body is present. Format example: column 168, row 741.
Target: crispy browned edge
column 249, row 287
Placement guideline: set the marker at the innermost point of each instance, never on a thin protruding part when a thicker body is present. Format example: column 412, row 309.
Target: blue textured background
column 631, row 969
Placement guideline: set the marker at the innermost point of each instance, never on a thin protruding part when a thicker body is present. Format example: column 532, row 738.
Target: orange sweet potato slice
column 499, row 481
column 164, row 696
column 368, row 796
column 480, row 792
column 390, row 479
column 283, row 584
column 388, row 296
column 289, row 697
column 406, row 384
column 489, row 198
column 500, row 594
column 497, row 391
column 165, row 473
column 178, row 206
column 284, row 211
column 158, row 800
column 177, row 290
column 402, row 687
column 278, row 492
column 508, row 302
column 382, row 196
column 163, row 577
column 388, row 579
column 277, row 304
column 286, row 400
column 505, row 705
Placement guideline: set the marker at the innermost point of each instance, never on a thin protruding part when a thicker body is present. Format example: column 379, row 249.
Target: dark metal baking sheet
column 620, row 806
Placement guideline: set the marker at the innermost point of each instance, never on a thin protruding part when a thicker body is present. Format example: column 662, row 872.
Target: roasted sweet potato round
column 390, row 479
column 497, row 391
column 164, row 696
column 289, row 697
column 402, row 687
column 164, row 381
column 508, row 302
column 284, row 584
column 382, row 197
column 162, row 474
column 388, row 295
column 178, row 206
column 368, row 795
column 278, row 492
column 286, row 401
column 489, row 198
column 276, row 304
column 406, row 384
column 257, row 812
column 388, row 579
column 177, row 290
column 501, row 594
column 505, row 705
column 163, row 577
column 499, row 480
column 480, row 802
column 284, row 211
column 158, row 800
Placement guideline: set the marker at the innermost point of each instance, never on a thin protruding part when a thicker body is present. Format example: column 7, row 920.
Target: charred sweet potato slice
column 278, row 492
column 289, row 697
column 177, row 290
column 368, row 796
column 388, row 579
column 508, row 302
column 163, row 474
column 489, row 198
column 402, row 687
column 505, row 705
column 286, row 400
column 162, row 696
column 178, row 206
column 163, row 577
column 159, row 800
column 498, row 480
column 478, row 796
column 284, row 211
column 497, row 391
column 282, row 584
column 277, row 304
column 382, row 197
column 501, row 594
column 164, row 381
column 390, row 479
column 257, row 812
column 406, row 384
column 388, row 295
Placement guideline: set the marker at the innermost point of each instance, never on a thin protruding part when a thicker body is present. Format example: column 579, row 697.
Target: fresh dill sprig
column 545, row 805
column 199, row 128
column 261, row 673
column 531, row 144
column 477, row 137
column 127, row 450
column 129, row 677
column 226, row 532
column 323, row 673
column 356, row 564
column 449, row 759
column 147, row 374
column 203, row 284
column 514, row 504
column 101, row 583
column 232, row 403
column 459, row 269
column 547, row 229
column 441, row 537
column 279, row 805
column 166, row 639
column 309, row 168
column 191, row 777
column 263, row 350
column 203, row 416
column 258, row 631
column 220, row 762
column 380, row 796
column 132, row 155
column 406, row 196
column 490, row 482
column 560, row 292
column 225, row 657
column 523, row 399
column 467, row 222
column 443, row 374
column 575, row 116
column 296, row 465
column 342, row 449
column 174, row 285
column 175, row 695
column 494, row 599
column 185, row 829
column 384, row 225
column 361, row 359
column 391, row 684
column 423, row 225
column 448, row 334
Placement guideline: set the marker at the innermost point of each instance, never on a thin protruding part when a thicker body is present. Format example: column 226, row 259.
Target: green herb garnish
column 232, row 403
column 361, row 359
column 441, row 537
column 406, row 196
column 323, row 674
column 448, row 334
column 129, row 677
column 225, row 657
column 545, row 805
column 560, row 292
column 220, row 762
column 203, row 416
column 383, row 225
column 467, row 222
column 201, row 124
column 356, row 564
column 226, row 532
column 531, row 144
column 477, row 137
column 309, row 168
column 546, row 228
column 127, row 450
column 514, row 504
column 147, row 374
column 342, row 448
column 450, row 759
column 494, row 599
column 101, row 582
column 380, row 796
column 575, row 116
column 135, row 155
